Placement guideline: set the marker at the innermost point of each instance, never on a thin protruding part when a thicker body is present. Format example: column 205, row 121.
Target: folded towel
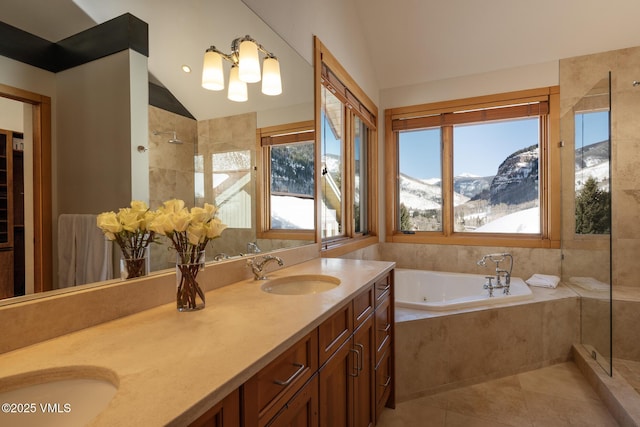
column 543, row 280
column 589, row 283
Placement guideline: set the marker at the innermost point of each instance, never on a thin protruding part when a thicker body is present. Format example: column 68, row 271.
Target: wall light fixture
column 245, row 68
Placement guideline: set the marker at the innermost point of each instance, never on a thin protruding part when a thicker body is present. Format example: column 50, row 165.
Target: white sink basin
column 61, row 397
column 303, row 284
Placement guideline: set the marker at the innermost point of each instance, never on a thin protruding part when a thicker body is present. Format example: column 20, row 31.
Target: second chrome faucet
column 257, row 265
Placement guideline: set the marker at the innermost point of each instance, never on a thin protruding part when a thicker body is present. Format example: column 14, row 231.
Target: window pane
column 593, row 198
column 360, row 182
column 420, row 185
column 495, row 168
column 292, row 186
column 332, row 157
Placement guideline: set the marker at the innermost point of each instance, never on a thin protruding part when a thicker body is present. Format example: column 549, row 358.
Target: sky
column 479, row 149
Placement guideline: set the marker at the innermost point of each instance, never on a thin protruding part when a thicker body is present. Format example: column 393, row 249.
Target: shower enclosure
column 586, row 176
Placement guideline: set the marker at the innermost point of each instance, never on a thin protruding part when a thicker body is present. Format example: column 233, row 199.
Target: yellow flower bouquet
column 189, row 232
column 129, row 229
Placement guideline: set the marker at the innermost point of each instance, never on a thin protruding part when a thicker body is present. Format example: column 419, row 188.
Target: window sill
column 490, row 240
column 344, row 246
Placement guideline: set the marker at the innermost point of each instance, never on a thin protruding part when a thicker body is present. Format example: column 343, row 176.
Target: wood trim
column 352, row 93
column 42, row 204
column 549, row 173
column 477, row 102
column 265, row 137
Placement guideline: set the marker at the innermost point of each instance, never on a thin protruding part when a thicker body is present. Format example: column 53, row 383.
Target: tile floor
column 557, row 395
column 630, row 370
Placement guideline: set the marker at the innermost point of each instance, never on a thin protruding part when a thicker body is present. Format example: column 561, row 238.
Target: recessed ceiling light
column 186, row 68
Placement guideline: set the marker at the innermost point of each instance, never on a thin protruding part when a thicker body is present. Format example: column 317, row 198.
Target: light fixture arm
column 234, row 56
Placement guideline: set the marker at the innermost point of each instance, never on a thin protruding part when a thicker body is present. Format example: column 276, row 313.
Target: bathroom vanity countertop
column 173, row 366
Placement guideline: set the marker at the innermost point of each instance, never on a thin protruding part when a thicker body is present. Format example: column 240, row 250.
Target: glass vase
column 189, row 294
column 132, row 267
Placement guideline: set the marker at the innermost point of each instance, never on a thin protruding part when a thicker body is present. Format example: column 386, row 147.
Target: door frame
column 42, row 205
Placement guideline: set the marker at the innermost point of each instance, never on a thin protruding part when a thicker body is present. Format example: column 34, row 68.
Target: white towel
column 543, row 280
column 589, row 283
column 84, row 254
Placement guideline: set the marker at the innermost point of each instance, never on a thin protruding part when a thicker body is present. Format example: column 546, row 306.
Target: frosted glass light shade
column 212, row 71
column 249, row 62
column 237, row 88
column 271, row 81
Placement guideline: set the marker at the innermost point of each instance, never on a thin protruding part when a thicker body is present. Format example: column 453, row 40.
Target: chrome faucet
column 258, row 266
column 500, row 272
column 252, row 248
column 221, row 256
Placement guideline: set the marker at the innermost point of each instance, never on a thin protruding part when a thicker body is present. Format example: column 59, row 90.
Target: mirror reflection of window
column 593, row 196
column 231, row 178
column 292, row 186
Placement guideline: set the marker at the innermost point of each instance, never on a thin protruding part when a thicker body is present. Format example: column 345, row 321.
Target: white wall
column 335, row 22
column 96, row 133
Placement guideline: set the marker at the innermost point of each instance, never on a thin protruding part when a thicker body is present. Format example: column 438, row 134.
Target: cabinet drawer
column 334, row 331
column 383, row 326
column 382, row 289
column 383, row 379
column 276, row 383
column 363, row 306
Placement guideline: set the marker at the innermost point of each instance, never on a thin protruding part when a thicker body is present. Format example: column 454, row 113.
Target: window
column 476, row 171
column 592, row 174
column 347, row 155
column 287, row 202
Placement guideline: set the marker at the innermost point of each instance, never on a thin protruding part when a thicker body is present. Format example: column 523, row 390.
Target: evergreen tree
column 593, row 209
column 405, row 220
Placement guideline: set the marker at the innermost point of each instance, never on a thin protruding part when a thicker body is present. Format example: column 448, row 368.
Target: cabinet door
column 336, row 393
column 6, row 273
column 224, row 414
column 383, row 386
column 363, row 385
column 301, row 410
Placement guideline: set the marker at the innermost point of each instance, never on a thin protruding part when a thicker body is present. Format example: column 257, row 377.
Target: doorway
column 42, row 202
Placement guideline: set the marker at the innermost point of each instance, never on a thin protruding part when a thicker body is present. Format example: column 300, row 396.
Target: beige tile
column 455, row 419
column 562, row 380
column 554, row 411
column 421, row 363
column 418, row 412
column 499, row 400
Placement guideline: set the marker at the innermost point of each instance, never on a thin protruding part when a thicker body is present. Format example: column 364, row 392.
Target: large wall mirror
column 206, row 152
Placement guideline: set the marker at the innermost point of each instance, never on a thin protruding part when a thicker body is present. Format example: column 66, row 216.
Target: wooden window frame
column 266, row 137
column 435, row 115
column 329, row 72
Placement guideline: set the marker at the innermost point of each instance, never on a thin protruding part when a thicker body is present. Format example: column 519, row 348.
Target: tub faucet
column 500, row 272
column 258, row 266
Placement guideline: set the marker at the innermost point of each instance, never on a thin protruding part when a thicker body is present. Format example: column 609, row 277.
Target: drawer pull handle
column 357, row 364
column 384, row 287
column 360, row 361
column 292, row 377
column 386, row 384
column 386, row 328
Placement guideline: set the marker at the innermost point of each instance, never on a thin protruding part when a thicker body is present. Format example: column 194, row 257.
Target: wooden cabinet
column 340, row 374
column 225, row 414
column 268, row 392
column 301, row 410
column 363, row 380
column 384, row 349
column 6, row 216
column 348, row 379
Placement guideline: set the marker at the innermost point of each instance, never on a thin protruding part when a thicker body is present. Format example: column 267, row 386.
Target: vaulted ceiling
column 408, row 41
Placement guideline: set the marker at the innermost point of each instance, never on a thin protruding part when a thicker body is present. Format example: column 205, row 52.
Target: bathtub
column 434, row 290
